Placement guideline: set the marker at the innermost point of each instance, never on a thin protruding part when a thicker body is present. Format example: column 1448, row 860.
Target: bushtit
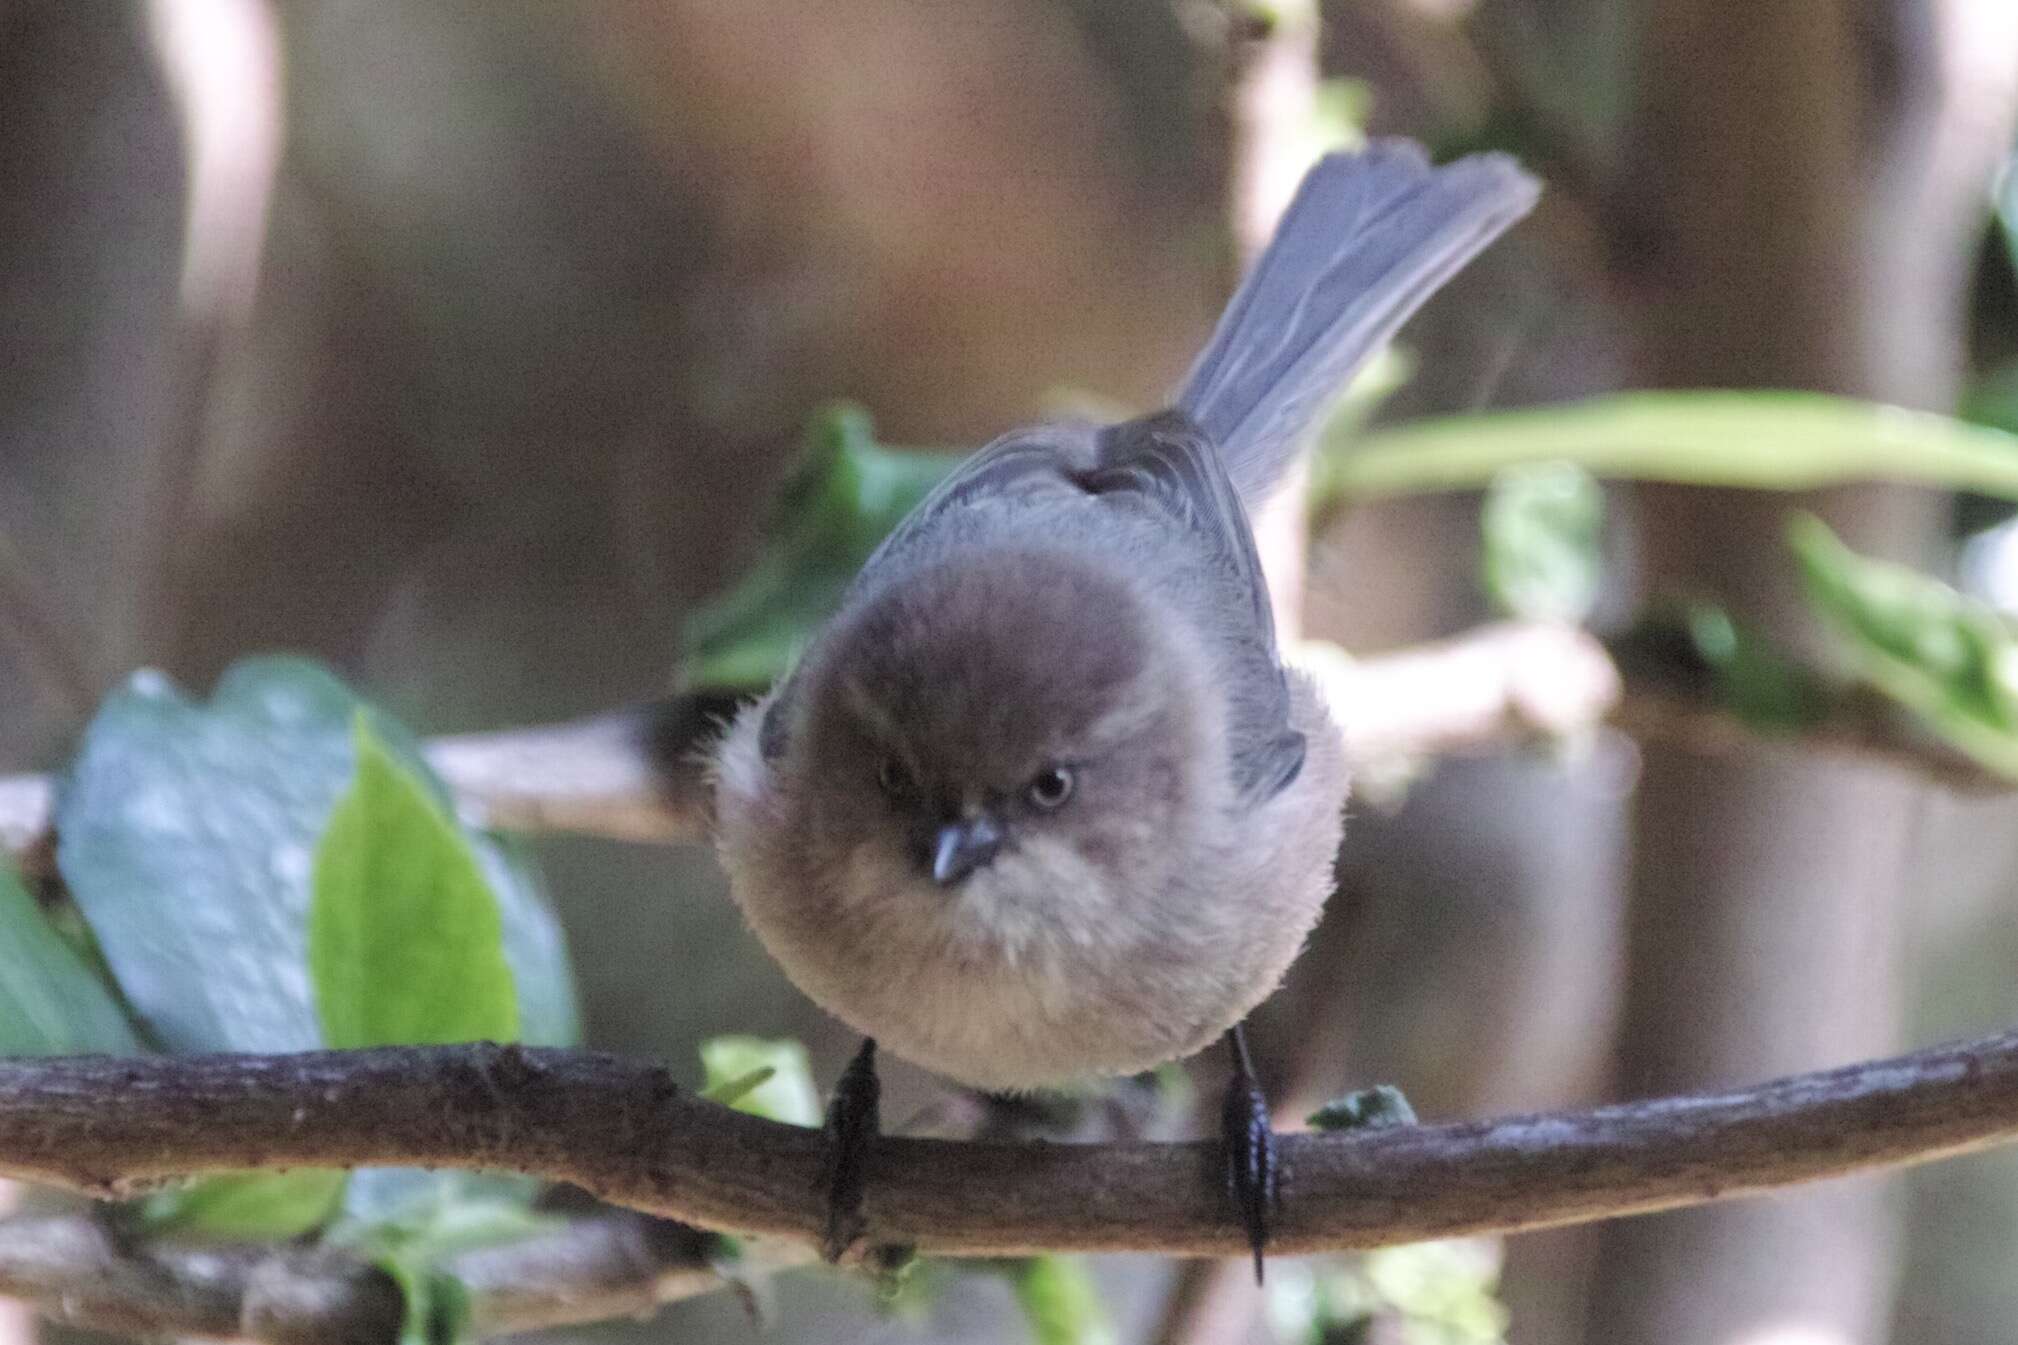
column 1041, row 802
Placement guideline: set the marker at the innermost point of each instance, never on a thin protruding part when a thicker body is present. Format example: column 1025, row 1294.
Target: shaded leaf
column 51, row 1003
column 185, row 836
column 1764, row 440
column 406, row 944
column 1540, row 531
column 1374, row 1108
column 1948, row 657
column 845, row 495
column 1749, row 676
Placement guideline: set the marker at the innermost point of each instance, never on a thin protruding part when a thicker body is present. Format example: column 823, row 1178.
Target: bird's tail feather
column 1368, row 238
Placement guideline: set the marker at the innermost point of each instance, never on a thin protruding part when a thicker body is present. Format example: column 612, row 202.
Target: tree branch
column 75, row 1271
column 638, row 774
column 621, row 1130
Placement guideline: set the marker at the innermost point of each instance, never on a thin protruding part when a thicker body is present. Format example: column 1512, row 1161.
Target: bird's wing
column 1166, row 465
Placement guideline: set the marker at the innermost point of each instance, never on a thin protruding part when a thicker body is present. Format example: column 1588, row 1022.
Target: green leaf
column 1540, row 532
column 246, row 1207
column 406, row 944
column 1948, row 657
column 785, row 1094
column 846, row 495
column 51, row 1003
column 434, row 1305
column 1374, row 1108
column 1762, row 440
column 1752, row 679
column 186, row 835
column 1061, row 1302
column 407, row 1222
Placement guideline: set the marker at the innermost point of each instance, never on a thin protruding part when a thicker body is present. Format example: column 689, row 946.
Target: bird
column 1041, row 802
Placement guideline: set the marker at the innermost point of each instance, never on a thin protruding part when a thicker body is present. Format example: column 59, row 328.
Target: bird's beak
column 962, row 847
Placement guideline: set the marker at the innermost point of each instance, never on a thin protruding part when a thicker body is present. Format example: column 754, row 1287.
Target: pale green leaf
column 1763, row 440
column 1950, row 658
column 1539, row 537
column 405, row 943
column 1060, row 1302
column 247, row 1207
column 785, row 1094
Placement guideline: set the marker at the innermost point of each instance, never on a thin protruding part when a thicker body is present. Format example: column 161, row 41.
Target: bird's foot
column 1249, row 1145
column 853, row 1122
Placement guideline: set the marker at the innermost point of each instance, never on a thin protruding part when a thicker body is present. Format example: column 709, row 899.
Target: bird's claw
column 853, row 1122
column 1249, row 1145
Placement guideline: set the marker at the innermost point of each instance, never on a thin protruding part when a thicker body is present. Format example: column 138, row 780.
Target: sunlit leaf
column 406, row 945
column 247, row 1207
column 1950, row 658
column 1764, row 440
column 786, row 1094
column 1540, row 531
column 1061, row 1302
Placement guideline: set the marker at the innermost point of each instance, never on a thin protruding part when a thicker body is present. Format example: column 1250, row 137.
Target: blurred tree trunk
column 1805, row 187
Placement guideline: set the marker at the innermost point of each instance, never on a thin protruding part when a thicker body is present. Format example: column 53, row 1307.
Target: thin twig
column 639, row 775
column 74, row 1270
column 620, row 1130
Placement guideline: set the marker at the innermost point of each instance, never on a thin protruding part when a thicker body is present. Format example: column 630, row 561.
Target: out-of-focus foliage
column 1540, row 533
column 247, row 1206
column 405, row 943
column 785, row 1093
column 1061, row 1302
column 1374, row 1108
column 413, row 1220
column 1432, row 1293
column 1762, row 440
column 1752, row 679
column 1950, row 658
column 844, row 497
column 198, row 839
column 51, row 1003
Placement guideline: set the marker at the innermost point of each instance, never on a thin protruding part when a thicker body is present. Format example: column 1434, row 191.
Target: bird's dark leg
column 1250, row 1149
column 853, row 1122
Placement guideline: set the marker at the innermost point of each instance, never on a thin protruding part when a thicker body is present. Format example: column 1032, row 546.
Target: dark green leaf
column 406, row 944
column 846, row 495
column 1752, row 679
column 51, row 1003
column 1950, row 658
column 1540, row 531
column 186, row 833
column 1764, row 440
column 1061, row 1302
column 1374, row 1108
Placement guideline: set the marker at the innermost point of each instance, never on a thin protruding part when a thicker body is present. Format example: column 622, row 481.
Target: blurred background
column 463, row 343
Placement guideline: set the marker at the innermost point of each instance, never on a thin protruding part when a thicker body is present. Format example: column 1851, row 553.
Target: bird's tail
column 1370, row 236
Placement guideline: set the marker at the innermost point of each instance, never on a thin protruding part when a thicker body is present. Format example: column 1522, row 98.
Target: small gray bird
column 1041, row 802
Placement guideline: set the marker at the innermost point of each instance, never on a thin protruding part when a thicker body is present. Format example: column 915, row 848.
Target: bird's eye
column 892, row 778
column 1051, row 788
